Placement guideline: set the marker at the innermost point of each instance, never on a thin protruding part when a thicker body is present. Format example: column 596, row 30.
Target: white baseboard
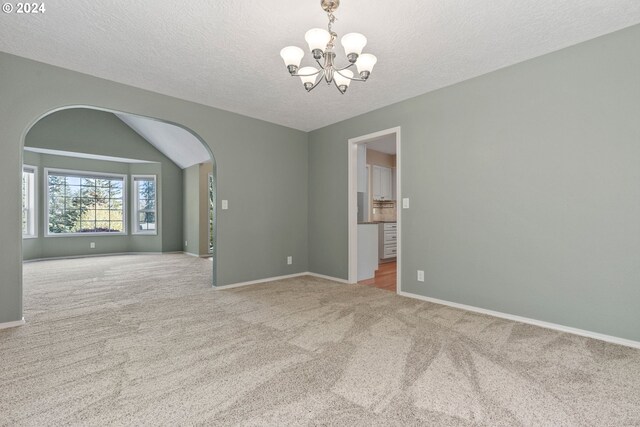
column 272, row 279
column 255, row 282
column 515, row 318
column 193, row 255
column 13, row 324
column 94, row 255
column 322, row 276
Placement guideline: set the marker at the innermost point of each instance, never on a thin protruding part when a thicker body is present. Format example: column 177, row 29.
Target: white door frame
column 353, row 201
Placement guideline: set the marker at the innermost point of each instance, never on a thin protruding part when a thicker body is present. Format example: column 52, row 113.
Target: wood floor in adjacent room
column 385, row 277
column 144, row 340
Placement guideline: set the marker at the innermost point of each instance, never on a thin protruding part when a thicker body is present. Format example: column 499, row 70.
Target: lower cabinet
column 387, row 241
column 367, row 251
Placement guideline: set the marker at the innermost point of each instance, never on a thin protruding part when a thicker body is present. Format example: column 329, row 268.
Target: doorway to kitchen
column 374, row 210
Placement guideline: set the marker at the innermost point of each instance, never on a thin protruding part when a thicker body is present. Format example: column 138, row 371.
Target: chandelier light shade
column 321, row 45
column 308, row 75
column 365, row 64
column 343, row 78
column 317, row 39
column 353, row 44
column 292, row 56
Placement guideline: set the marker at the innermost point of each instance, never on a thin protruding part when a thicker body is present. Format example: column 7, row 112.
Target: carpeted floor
column 145, row 340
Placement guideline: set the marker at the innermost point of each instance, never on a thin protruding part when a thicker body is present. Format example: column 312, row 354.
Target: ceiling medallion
column 321, row 44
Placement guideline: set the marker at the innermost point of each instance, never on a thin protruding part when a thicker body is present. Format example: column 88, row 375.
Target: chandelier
column 321, row 44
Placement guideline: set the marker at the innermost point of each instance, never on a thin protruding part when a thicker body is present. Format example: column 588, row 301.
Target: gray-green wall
column 524, row 186
column 97, row 132
column 524, row 183
column 261, row 170
column 191, row 209
column 64, row 246
column 196, row 209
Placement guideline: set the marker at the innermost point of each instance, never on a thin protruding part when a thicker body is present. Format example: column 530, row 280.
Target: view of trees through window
column 146, row 204
column 85, row 204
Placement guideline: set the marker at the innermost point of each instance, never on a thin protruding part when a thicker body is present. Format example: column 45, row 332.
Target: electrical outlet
column 289, row 260
column 92, row 245
column 185, row 244
column 420, row 275
column 225, row 205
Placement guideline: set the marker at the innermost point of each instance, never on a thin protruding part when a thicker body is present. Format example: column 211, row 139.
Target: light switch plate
column 92, row 245
column 405, row 203
column 225, row 205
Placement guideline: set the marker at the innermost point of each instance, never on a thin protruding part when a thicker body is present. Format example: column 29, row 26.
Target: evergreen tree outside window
column 145, row 217
column 85, row 203
column 29, row 211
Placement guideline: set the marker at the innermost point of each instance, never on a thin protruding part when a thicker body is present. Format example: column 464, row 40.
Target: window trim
column 34, row 213
column 134, row 206
column 124, row 177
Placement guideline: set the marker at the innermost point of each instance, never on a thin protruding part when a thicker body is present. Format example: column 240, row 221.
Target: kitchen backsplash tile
column 384, row 211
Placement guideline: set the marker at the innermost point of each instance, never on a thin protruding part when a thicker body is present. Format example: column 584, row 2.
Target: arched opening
column 85, row 196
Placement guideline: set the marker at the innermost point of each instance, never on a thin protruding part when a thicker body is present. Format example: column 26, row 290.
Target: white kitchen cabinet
column 387, row 241
column 382, row 183
column 367, row 251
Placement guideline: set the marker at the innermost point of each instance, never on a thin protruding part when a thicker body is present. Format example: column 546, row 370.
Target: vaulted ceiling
column 226, row 53
column 178, row 144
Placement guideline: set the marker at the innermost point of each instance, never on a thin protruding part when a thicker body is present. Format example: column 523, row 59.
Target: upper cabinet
column 382, row 183
column 362, row 169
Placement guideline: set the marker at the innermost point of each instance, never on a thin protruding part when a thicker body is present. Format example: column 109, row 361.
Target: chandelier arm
column 307, row 75
column 338, row 87
column 319, row 64
column 316, row 84
column 344, row 68
column 350, row 78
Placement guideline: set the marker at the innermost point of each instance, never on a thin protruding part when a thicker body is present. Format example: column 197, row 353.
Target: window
column 145, row 217
column 29, row 211
column 85, row 203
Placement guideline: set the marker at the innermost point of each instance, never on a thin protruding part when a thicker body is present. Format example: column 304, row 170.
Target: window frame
column 135, row 210
column 33, row 215
column 107, row 175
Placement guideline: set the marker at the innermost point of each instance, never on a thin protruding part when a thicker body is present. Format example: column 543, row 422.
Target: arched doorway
column 128, row 224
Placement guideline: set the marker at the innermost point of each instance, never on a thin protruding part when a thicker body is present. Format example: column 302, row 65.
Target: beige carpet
column 144, row 340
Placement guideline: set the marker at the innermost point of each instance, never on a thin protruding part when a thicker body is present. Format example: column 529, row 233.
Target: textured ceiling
column 226, row 53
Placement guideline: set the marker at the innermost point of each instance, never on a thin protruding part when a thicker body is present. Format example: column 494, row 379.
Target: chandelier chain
column 332, row 19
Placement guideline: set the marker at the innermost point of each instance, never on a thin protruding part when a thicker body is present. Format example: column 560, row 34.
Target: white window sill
column 85, row 234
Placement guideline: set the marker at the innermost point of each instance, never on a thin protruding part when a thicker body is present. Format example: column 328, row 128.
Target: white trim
column 190, row 254
column 540, row 323
column 125, row 182
column 335, row 279
column 134, row 206
column 86, row 155
column 13, row 324
column 24, row 261
column 255, row 282
column 273, row 279
column 211, row 207
column 208, row 255
column 34, row 170
column 353, row 202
